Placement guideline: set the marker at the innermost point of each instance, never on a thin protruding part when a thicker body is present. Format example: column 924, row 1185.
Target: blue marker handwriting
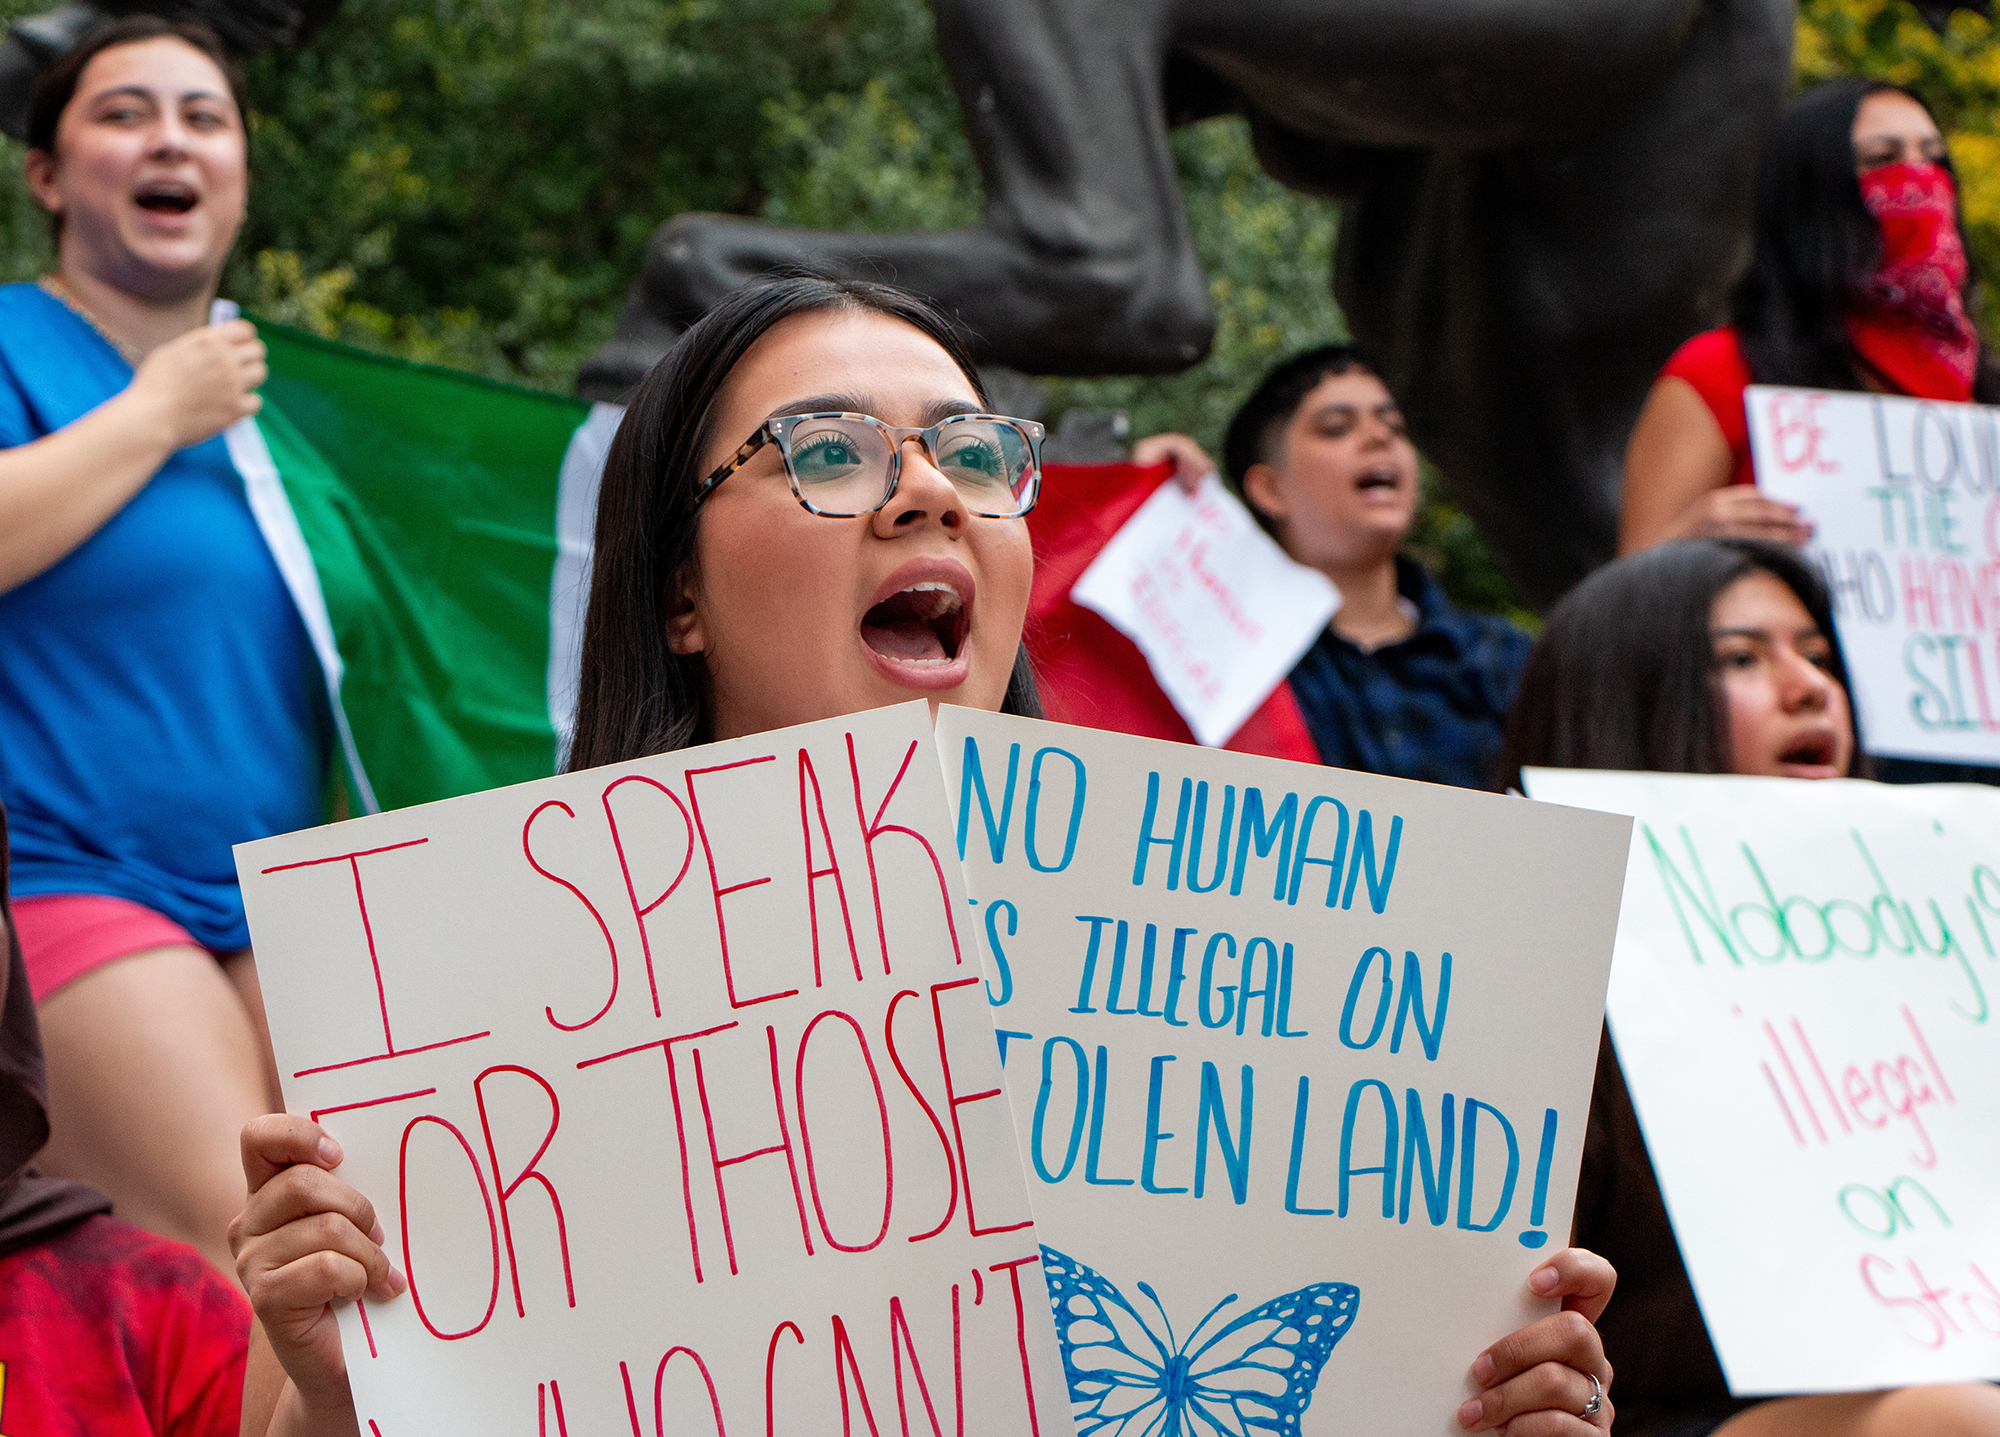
column 1196, row 836
column 1456, row 1160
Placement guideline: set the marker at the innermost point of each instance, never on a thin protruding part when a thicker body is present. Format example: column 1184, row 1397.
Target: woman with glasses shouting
column 807, row 512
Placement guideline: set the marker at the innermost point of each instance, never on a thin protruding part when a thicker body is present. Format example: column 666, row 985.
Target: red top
column 1714, row 364
column 1903, row 353
column 110, row 1331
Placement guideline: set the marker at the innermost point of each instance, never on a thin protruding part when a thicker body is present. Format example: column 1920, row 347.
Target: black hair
column 57, row 85
column 1255, row 431
column 1623, row 675
column 1814, row 246
column 635, row 696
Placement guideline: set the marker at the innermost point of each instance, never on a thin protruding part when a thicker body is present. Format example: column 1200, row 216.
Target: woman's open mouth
column 923, row 624
column 166, row 197
column 918, row 631
column 1379, row 476
column 1813, row 750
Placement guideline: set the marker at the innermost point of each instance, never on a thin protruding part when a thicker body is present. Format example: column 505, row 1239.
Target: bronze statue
column 1541, row 198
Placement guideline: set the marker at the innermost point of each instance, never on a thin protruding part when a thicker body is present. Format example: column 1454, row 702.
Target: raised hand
column 199, row 384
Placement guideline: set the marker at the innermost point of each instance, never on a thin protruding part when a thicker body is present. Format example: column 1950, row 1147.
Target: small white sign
column 675, row 1090
column 1904, row 495
column 1300, row 1061
column 1802, row 1001
column 1219, row 610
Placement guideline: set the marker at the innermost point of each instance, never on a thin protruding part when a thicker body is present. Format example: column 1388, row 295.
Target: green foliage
column 1269, row 256
column 472, row 182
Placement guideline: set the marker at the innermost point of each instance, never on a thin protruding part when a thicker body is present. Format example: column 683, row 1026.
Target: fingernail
column 329, row 1152
column 375, row 1233
column 1543, row 1280
column 1469, row 1414
column 1482, row 1370
column 398, row 1283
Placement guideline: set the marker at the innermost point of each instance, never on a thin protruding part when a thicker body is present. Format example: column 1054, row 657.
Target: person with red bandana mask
column 1858, row 280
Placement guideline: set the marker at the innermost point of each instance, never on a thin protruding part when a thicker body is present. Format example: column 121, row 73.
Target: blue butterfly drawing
column 1255, row 1374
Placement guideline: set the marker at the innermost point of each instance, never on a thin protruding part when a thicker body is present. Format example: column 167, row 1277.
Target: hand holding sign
column 1554, row 1363
column 1737, row 511
column 1261, row 1035
column 305, row 1242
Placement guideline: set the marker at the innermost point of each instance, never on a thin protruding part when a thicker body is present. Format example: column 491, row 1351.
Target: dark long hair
column 635, row 696
column 1623, row 676
column 1815, row 245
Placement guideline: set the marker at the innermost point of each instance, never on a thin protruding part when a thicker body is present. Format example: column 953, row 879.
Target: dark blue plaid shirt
column 1431, row 707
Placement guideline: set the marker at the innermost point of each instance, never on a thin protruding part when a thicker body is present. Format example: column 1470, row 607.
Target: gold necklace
column 60, row 292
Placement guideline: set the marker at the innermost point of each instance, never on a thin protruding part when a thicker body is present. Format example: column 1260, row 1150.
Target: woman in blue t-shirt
column 159, row 698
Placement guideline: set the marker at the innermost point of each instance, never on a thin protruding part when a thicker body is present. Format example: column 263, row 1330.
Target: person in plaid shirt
column 1402, row 681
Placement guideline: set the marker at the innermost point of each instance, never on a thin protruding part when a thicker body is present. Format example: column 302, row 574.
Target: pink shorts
column 65, row 935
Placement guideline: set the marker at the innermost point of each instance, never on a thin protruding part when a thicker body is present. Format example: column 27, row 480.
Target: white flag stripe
column 265, row 491
column 569, row 586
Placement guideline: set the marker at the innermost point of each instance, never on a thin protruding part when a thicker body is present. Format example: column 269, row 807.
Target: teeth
column 947, row 601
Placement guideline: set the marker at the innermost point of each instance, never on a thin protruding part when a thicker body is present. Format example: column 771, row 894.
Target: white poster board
column 1904, row 495
column 1803, row 1005
column 674, row 1088
column 1218, row 609
column 1319, row 1043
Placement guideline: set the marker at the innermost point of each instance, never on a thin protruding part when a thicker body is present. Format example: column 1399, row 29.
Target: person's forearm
column 59, row 490
column 295, row 1418
column 273, row 1407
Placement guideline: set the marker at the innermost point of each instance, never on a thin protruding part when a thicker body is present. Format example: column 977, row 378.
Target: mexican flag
column 434, row 530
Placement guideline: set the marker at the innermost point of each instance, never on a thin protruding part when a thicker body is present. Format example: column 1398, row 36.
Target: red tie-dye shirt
column 109, row 1331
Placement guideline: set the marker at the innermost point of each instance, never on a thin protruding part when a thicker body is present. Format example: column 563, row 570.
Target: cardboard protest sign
column 1905, row 498
column 675, row 1089
column 1299, row 1059
column 1802, row 1002
column 1218, row 609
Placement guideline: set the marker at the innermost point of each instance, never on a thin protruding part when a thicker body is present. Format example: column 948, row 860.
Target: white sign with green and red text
column 1803, row 1003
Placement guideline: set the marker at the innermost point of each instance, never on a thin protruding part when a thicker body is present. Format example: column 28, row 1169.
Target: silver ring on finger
column 1596, row 1403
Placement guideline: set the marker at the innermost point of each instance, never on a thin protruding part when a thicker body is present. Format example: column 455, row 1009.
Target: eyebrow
column 141, row 92
column 934, row 412
column 1810, row 631
column 1341, row 407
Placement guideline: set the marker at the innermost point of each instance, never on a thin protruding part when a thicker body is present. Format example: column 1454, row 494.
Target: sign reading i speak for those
column 1904, row 496
column 1802, row 1003
column 675, row 1089
column 1300, row 1060
column 1219, row 610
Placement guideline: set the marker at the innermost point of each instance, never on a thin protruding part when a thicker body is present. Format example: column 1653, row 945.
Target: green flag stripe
column 428, row 500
